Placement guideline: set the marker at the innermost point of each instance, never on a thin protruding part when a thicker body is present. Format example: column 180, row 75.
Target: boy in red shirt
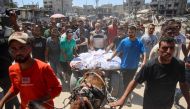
column 34, row 79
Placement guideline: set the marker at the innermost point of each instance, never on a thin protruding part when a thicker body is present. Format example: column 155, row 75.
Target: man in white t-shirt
column 98, row 38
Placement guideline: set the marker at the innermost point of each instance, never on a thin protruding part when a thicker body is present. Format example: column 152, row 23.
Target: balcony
column 154, row 6
column 154, row 3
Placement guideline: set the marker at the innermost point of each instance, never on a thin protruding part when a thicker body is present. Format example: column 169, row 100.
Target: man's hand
column 120, row 102
column 13, row 20
column 78, row 45
column 76, row 55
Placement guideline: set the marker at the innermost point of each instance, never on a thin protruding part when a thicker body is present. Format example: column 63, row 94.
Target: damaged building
column 132, row 6
column 169, row 7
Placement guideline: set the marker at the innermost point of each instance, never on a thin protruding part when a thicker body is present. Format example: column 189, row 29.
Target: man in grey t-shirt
column 149, row 39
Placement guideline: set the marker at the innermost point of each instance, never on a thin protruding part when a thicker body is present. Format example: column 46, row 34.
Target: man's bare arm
column 185, row 90
column 128, row 90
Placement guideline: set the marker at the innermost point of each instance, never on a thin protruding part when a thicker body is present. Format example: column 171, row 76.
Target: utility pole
column 97, row 1
column 86, row 8
column 123, row 6
column 62, row 6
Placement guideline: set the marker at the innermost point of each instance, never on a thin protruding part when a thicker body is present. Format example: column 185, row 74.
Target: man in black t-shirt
column 161, row 75
column 38, row 44
column 5, row 61
column 81, row 37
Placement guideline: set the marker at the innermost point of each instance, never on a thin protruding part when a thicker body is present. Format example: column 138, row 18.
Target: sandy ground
column 136, row 102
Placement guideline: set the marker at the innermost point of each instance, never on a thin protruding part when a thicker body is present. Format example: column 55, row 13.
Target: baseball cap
column 188, row 29
column 20, row 37
column 69, row 31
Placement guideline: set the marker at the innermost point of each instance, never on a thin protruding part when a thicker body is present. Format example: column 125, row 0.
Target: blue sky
column 92, row 2
column 75, row 2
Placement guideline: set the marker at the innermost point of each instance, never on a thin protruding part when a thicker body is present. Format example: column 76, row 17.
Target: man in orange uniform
column 34, row 79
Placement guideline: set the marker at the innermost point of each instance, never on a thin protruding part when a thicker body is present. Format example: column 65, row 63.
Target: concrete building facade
column 48, row 4
column 101, row 11
column 169, row 7
column 78, row 10
column 132, row 6
column 6, row 4
column 58, row 6
column 88, row 9
column 118, row 9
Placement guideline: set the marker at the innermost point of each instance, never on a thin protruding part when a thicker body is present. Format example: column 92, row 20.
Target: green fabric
column 47, row 33
column 67, row 47
column 79, row 81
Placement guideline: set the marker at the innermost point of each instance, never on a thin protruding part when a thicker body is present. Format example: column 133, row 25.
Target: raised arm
column 185, row 90
column 9, row 95
column 13, row 20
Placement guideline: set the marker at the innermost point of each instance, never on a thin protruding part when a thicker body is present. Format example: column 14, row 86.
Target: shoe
column 128, row 103
column 178, row 106
column 176, row 102
column 139, row 86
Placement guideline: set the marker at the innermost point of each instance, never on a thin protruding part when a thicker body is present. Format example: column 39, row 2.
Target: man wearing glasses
column 32, row 78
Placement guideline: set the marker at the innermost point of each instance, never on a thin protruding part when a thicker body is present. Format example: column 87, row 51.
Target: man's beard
column 166, row 58
column 150, row 33
column 131, row 36
column 21, row 59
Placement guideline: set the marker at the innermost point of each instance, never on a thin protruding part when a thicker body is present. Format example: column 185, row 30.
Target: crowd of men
column 33, row 47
